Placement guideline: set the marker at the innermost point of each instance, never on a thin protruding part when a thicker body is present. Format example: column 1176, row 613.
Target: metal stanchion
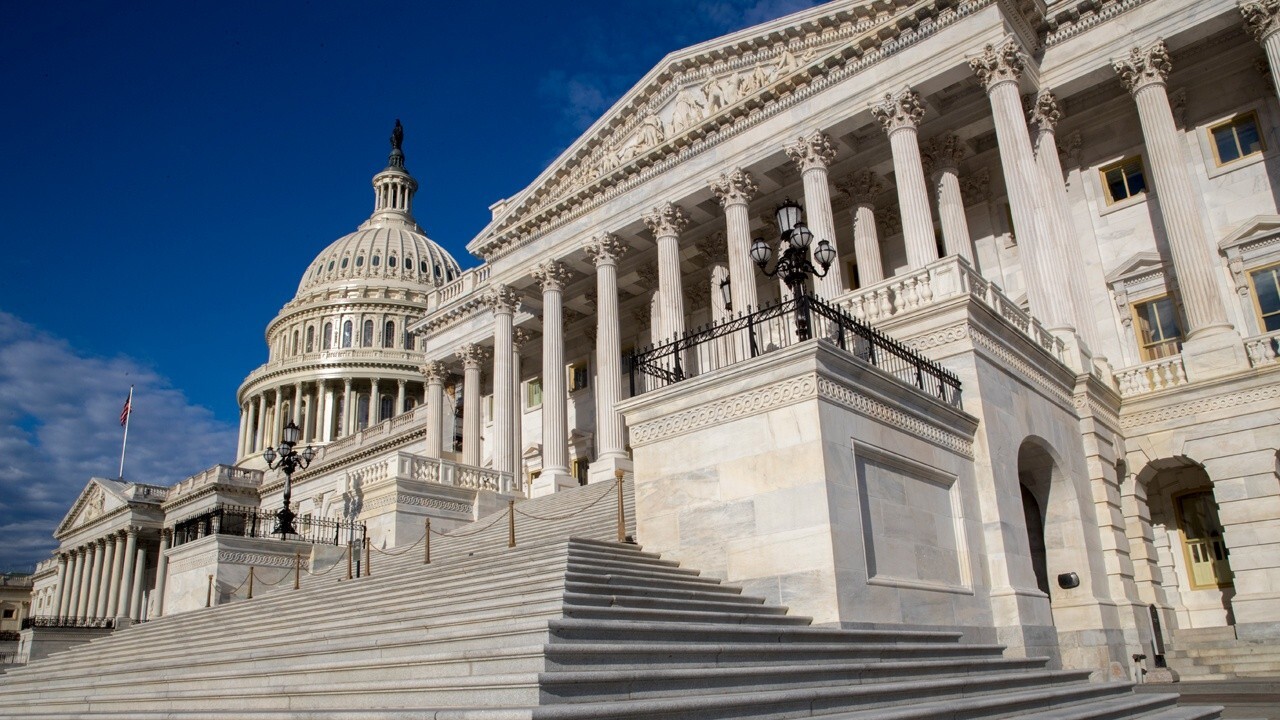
column 368, row 558
column 622, row 514
column 297, row 570
column 348, row 559
column 426, row 545
column 208, row 595
column 250, row 582
column 511, row 523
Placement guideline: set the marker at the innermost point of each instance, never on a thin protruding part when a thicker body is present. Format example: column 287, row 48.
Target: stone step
column 662, row 615
column 625, row 655
column 641, row 602
column 581, row 629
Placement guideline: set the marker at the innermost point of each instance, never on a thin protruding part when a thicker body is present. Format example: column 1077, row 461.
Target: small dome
column 393, row 253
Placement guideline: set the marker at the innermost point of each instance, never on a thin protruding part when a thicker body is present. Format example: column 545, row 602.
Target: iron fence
column 778, row 325
column 240, row 521
column 58, row 621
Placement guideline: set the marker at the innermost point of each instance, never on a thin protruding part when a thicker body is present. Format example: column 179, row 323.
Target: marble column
column 244, row 430
column 862, row 188
column 1262, row 20
column 89, row 602
column 400, row 386
column 257, row 424
column 813, row 154
column 735, row 190
column 942, row 156
column 1210, row 347
column 139, row 573
column 471, row 356
column 296, row 415
column 434, row 372
column 900, row 114
column 666, row 222
column 126, row 574
column 60, row 591
column 375, row 404
column 329, row 406
column 162, row 572
column 117, row 568
column 308, row 418
column 611, row 446
column 273, row 431
column 1043, row 121
column 518, row 340
column 348, row 408
column 552, row 276
column 998, row 70
column 71, row 599
column 108, row 576
column 503, row 302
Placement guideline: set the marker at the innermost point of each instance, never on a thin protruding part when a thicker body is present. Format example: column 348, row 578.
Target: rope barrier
column 476, row 532
column 389, row 553
column 595, row 502
column 326, row 572
column 260, row 581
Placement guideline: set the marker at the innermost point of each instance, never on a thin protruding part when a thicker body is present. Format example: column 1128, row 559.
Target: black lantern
column 794, row 265
column 289, row 461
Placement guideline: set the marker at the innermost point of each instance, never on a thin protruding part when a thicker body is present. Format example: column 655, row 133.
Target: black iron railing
column 242, row 521
column 779, row 325
column 56, row 621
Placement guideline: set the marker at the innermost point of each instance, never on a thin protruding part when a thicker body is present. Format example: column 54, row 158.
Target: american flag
column 128, row 406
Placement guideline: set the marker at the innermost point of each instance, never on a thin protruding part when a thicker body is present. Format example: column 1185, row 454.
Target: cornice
column 255, row 381
column 1085, row 16
column 858, row 47
column 1195, row 408
column 343, row 306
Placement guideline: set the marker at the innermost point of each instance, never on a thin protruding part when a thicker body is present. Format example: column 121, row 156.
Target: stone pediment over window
column 703, row 94
column 1142, row 275
column 1254, row 244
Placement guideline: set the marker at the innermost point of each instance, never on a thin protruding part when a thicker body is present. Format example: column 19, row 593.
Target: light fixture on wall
column 724, row 294
column 288, row 460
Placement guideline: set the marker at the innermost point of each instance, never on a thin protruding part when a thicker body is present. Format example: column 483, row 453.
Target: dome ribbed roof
column 391, row 253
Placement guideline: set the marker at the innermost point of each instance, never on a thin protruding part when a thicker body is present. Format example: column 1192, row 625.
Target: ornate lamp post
column 794, row 265
column 288, row 460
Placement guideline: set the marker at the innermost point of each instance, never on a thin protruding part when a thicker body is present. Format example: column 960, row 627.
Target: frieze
column 1054, row 390
column 1199, row 407
column 236, row 557
column 419, row 501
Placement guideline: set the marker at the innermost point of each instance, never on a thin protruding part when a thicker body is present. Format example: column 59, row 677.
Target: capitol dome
column 388, row 252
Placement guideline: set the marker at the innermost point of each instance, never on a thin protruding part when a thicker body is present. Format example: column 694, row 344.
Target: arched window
column 311, row 338
column 386, row 410
column 408, row 341
column 344, row 262
column 326, row 338
column 377, row 259
column 391, row 261
column 366, row 337
column 362, row 412
column 295, row 343
column 410, row 402
column 408, row 263
column 389, row 334
column 346, row 334
column 359, row 261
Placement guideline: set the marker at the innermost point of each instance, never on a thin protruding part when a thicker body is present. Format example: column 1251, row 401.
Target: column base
column 552, row 482
column 1213, row 352
column 605, row 469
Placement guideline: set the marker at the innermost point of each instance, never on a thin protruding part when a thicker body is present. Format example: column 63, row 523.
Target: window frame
column 1177, row 499
column 1138, row 323
column 1257, row 304
column 571, row 373
column 1119, row 164
column 1231, row 122
column 528, row 385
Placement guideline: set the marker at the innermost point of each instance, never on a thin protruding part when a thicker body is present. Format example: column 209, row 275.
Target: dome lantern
column 394, row 186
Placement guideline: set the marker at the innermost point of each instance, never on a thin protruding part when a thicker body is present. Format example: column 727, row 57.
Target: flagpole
column 125, row 443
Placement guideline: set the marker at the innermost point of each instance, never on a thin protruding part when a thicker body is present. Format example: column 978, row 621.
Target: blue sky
column 169, row 170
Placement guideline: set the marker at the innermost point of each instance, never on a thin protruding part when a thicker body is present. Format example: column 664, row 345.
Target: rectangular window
column 1236, row 138
column 533, row 393
column 9, row 613
column 1266, row 290
column 1124, row 179
column 1157, row 328
column 487, row 402
column 578, row 377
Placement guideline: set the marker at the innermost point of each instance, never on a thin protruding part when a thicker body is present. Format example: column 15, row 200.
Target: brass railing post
column 208, row 595
column 250, row 582
column 297, row 570
column 426, row 545
column 511, row 523
column 349, row 544
column 622, row 514
column 368, row 557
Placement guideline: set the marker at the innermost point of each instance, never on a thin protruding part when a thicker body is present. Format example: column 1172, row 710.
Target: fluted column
column 117, row 569
column 504, row 303
column 139, row 573
column 552, row 275
column 61, row 590
column 348, row 408
column 813, row 154
column 518, row 340
column 435, row 372
column 108, row 576
column 162, row 572
column 126, row 575
column 862, row 188
column 375, row 404
column 244, row 430
column 942, row 156
column 296, row 415
column 611, row 446
column 276, row 420
column 998, row 70
column 1262, row 20
column 1043, row 122
column 88, row 601
column 329, row 406
column 666, row 222
column 400, row 388
column 258, row 417
column 471, row 356
column 735, row 190
column 900, row 115
column 71, row 600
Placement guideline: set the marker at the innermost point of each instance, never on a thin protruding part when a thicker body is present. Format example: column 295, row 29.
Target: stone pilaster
column 813, row 155
column 735, row 190
column 862, row 188
column 434, row 372
column 504, row 303
column 1211, row 347
column 900, row 114
column 296, row 408
column 244, row 425
column 942, row 156
column 998, row 69
column 1262, row 20
column 666, row 222
column 552, row 276
column 472, row 356
column 611, row 446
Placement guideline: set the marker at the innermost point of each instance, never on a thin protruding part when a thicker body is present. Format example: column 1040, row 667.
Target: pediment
column 1137, row 266
column 1260, row 229
column 100, row 497
column 696, row 95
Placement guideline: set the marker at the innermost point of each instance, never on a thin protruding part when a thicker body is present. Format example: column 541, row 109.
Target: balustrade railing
column 1263, row 349
column 1151, row 377
column 216, row 475
column 779, row 325
column 51, row 621
column 240, row 521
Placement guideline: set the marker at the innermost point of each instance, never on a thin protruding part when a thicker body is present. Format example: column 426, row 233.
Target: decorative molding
column 1043, row 112
column 434, row 372
column 256, row 559
column 976, row 187
column 502, row 299
column 666, row 220
column 1054, row 390
column 862, row 187
column 942, row 153
column 1197, row 408
column 472, row 356
column 1144, row 66
column 418, row 501
column 552, row 275
column 812, row 151
column 998, row 64
column 736, row 187
column 604, row 248
column 1261, row 17
column 849, row 397
column 898, row 111
column 715, row 247
column 1075, row 19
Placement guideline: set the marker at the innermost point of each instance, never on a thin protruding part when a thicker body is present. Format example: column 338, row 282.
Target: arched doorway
column 1035, row 480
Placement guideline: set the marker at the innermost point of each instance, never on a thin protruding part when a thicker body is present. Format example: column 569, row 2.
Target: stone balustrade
column 1151, row 376
column 218, row 474
column 1263, row 349
column 468, row 283
column 937, row 282
column 341, row 355
column 374, row 433
column 408, row 466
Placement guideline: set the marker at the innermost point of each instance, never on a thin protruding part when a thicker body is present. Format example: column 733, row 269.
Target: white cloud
column 59, row 425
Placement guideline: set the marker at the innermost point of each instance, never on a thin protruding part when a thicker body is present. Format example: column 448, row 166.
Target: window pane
column 346, row 334
column 1115, row 184
column 1247, row 134
column 366, row 337
column 1136, row 181
column 1168, row 319
column 1225, row 140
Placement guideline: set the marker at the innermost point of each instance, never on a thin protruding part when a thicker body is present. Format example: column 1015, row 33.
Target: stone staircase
column 569, row 624
column 1217, row 654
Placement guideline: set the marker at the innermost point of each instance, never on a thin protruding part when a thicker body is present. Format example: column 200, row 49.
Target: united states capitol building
column 1029, row 394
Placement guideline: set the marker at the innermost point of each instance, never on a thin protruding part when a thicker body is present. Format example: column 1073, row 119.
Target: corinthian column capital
column 551, row 275
column 998, row 64
column 434, row 372
column 605, row 247
column 1261, row 17
column 1144, row 66
column 471, row 355
column 502, row 299
column 899, row 110
column 814, row 150
column 1043, row 112
column 667, row 219
column 862, row 187
column 942, row 153
column 734, row 187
